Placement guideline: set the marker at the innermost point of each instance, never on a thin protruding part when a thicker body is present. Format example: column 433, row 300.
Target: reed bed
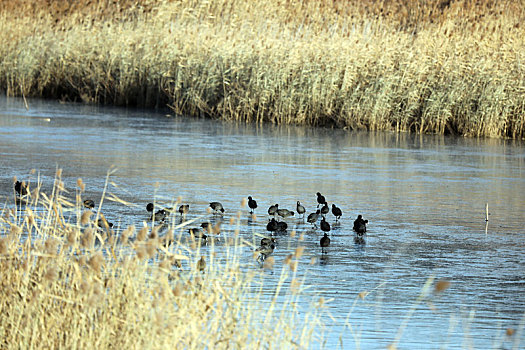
column 67, row 283
column 448, row 67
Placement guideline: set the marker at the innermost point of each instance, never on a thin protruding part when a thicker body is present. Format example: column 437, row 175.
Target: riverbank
column 448, row 68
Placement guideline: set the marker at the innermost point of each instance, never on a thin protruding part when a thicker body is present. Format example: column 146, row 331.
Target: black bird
column 320, row 199
column 284, row 213
column 272, row 210
column 272, row 225
column 360, row 225
column 216, row 207
column 337, row 212
column 21, row 188
column 150, row 207
column 252, row 204
column 89, row 203
column 184, row 209
column 160, row 215
column 300, row 209
column 281, row 226
column 212, row 228
column 312, row 218
column 325, row 242
column 264, row 252
column 325, row 210
column 325, row 226
column 197, row 233
column 103, row 223
column 267, row 241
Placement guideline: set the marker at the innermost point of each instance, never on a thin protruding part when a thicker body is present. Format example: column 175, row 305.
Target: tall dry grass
column 423, row 66
column 65, row 283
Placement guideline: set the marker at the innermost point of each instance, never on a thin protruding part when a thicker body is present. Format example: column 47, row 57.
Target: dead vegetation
column 453, row 67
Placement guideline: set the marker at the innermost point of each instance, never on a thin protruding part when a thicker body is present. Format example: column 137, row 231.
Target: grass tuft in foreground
column 68, row 283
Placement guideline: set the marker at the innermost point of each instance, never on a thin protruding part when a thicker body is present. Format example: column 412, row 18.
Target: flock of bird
column 276, row 223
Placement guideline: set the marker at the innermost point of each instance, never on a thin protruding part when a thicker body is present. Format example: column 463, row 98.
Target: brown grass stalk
column 61, row 291
column 453, row 67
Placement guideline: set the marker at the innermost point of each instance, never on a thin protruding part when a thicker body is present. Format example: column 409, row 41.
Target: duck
column 320, row 199
column 160, row 215
column 312, row 218
column 325, row 225
column 337, row 212
column 272, row 225
column 184, row 209
column 281, row 226
column 267, row 241
column 212, row 228
column 169, row 210
column 264, row 252
column 272, row 210
column 150, row 207
column 216, row 207
column 324, row 243
column 284, row 213
column 197, row 233
column 360, row 225
column 252, row 204
column 300, row 209
column 325, row 210
column 103, row 223
column 21, row 188
column 89, row 204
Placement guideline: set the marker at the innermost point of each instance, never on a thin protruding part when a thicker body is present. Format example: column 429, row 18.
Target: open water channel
column 424, row 196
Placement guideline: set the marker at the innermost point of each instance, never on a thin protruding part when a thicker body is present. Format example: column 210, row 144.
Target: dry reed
column 63, row 285
column 423, row 66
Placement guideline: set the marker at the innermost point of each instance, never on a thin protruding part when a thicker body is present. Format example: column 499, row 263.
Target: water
column 425, row 198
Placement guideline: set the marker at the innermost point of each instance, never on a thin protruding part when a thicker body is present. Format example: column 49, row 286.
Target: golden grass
column 67, row 284
column 422, row 66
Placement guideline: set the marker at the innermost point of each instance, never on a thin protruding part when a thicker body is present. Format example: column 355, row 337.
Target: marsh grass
column 453, row 67
column 66, row 283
